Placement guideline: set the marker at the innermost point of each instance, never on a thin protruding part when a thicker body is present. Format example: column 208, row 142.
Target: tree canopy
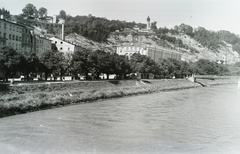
column 30, row 11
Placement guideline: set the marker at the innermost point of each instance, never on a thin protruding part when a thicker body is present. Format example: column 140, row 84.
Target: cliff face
column 193, row 52
column 225, row 52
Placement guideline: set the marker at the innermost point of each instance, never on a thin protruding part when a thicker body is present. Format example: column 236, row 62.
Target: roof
column 164, row 49
column 11, row 22
column 145, row 46
column 42, row 37
column 64, row 41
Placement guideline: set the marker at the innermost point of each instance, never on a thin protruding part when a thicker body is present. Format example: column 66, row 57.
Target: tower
column 148, row 23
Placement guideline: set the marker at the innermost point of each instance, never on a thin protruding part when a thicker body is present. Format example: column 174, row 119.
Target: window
column 20, row 38
column 17, row 29
column 5, row 25
column 13, row 37
column 9, row 36
column 13, row 28
column 16, row 38
column 61, row 48
column 4, row 35
column 26, row 30
column 61, row 42
column 16, row 46
column 10, row 27
column 55, row 42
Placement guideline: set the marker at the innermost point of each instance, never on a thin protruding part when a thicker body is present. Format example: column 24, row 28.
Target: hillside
column 194, row 52
column 96, row 33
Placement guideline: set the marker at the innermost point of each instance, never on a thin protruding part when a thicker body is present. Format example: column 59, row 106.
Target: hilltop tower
column 148, row 23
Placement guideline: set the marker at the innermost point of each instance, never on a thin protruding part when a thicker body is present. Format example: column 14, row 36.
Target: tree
column 99, row 62
column 154, row 25
column 30, row 11
column 186, row 29
column 122, row 66
column 62, row 14
column 142, row 64
column 42, row 12
column 167, row 68
column 52, row 62
column 206, row 67
column 5, row 13
column 10, row 61
column 30, row 64
column 81, row 62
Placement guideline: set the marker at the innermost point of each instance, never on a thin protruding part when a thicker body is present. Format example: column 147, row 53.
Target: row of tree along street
column 15, row 63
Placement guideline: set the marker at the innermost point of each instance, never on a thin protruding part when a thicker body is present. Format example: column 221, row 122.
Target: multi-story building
column 42, row 45
column 17, row 36
column 64, row 46
column 28, row 41
column 11, row 34
column 155, row 53
column 2, row 40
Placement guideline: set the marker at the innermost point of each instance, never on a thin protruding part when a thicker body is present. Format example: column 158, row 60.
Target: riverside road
column 201, row 120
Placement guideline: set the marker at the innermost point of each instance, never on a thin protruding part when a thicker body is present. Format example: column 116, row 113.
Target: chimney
column 63, row 37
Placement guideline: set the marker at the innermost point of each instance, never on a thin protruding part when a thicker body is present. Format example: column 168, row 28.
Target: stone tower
column 148, row 23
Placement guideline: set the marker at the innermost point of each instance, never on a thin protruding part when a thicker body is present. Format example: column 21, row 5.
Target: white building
column 64, row 46
column 155, row 53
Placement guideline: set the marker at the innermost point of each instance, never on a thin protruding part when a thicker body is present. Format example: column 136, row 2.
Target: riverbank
column 28, row 97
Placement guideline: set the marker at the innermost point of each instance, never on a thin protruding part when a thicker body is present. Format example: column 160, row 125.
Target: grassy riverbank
column 22, row 98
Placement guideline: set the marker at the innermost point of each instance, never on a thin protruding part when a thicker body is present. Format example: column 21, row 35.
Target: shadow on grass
column 4, row 88
column 114, row 82
column 146, row 81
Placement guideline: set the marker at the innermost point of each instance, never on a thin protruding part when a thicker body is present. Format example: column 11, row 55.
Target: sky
column 210, row 14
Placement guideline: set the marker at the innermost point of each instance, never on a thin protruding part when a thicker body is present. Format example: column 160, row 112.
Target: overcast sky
column 211, row 14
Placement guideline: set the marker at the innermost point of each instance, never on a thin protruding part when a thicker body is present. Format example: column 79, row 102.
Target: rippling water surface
column 202, row 120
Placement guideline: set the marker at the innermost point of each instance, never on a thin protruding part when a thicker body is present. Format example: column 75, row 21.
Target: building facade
column 42, row 45
column 11, row 34
column 28, row 40
column 64, row 46
column 17, row 36
column 155, row 53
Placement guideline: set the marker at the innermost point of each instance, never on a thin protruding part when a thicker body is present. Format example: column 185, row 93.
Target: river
column 201, row 120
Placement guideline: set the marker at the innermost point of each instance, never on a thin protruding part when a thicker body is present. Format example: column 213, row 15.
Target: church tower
column 148, row 23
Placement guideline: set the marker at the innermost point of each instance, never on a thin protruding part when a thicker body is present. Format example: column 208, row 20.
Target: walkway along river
column 201, row 120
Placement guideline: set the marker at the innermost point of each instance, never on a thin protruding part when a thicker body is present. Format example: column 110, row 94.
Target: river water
column 201, row 120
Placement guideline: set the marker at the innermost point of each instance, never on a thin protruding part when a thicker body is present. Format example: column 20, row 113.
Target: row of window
column 62, row 48
column 42, row 47
column 60, row 42
column 14, row 28
column 12, row 37
column 15, row 46
column 11, row 27
column 40, row 41
column 131, row 48
column 42, row 50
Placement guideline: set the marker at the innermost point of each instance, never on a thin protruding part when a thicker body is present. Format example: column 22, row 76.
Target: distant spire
column 148, row 18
